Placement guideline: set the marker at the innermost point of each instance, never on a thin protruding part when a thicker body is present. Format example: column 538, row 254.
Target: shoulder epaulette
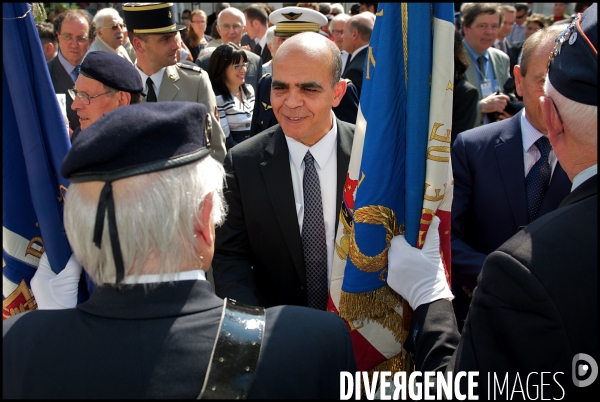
column 264, row 75
column 348, row 80
column 189, row 67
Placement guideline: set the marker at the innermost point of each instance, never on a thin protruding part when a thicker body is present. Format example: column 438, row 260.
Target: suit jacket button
column 247, row 124
column 262, row 122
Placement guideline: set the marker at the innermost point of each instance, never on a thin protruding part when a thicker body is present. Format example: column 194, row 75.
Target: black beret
column 113, row 71
column 151, row 18
column 573, row 66
column 139, row 139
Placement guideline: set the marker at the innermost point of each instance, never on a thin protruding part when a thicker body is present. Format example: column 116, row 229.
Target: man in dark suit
column 357, row 34
column 304, row 20
column 261, row 251
column 152, row 310
column 230, row 25
column 256, row 27
column 535, row 309
column 73, row 29
column 490, row 166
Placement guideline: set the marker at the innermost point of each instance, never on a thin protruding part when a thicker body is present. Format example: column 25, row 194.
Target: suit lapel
column 168, row 86
column 64, row 82
column 509, row 157
column 344, row 149
column 277, row 176
column 558, row 189
column 498, row 72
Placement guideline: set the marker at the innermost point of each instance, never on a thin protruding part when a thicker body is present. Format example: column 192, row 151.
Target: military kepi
column 573, row 65
column 112, row 70
column 151, row 18
column 133, row 140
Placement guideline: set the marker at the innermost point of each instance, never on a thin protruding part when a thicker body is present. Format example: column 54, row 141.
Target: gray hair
column 271, row 35
column 337, row 7
column 106, row 12
column 579, row 119
column 155, row 214
column 338, row 18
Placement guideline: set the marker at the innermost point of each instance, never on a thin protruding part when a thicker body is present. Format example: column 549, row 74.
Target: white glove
column 418, row 275
column 56, row 292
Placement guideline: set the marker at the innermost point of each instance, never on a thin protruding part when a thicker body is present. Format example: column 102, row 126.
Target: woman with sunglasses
column 227, row 69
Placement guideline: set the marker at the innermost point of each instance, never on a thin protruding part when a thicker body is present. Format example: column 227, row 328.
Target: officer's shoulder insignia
column 267, row 106
column 264, row 75
column 348, row 80
column 189, row 67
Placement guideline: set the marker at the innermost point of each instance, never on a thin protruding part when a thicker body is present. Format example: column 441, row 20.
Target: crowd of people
column 240, row 128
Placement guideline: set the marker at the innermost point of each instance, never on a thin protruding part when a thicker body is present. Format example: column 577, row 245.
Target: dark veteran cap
column 151, row 18
column 573, row 65
column 113, row 71
column 134, row 140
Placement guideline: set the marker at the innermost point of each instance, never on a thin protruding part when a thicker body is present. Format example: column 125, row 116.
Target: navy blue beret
column 113, row 71
column 138, row 139
column 573, row 67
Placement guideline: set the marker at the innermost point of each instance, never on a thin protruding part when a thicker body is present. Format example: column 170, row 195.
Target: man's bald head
column 315, row 48
column 357, row 31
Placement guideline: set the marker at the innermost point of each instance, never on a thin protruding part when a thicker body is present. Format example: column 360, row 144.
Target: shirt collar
column 474, row 55
column 584, row 175
column 321, row 151
column 263, row 41
column 196, row 274
column 156, row 77
column 529, row 133
column 354, row 53
column 66, row 65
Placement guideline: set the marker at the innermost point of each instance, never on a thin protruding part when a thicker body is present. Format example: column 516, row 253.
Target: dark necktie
column 257, row 49
column 481, row 62
column 151, row 96
column 313, row 237
column 76, row 71
column 537, row 179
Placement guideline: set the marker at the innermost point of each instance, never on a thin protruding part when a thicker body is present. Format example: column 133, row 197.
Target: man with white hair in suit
column 109, row 33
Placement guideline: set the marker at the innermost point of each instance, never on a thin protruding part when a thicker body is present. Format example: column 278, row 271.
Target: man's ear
column 137, row 44
column 124, row 98
column 553, row 122
column 203, row 227
column 339, row 90
column 518, row 80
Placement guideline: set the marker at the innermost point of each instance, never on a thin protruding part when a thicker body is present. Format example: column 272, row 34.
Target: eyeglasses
column 115, row 27
column 69, row 38
column 238, row 67
column 337, row 32
column 235, row 27
column 83, row 97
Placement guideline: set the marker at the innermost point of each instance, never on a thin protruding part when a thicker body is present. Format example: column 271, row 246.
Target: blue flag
column 385, row 192
column 34, row 143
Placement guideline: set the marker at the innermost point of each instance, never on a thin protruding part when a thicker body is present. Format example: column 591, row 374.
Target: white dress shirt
column 325, row 155
column 584, row 175
column 156, row 79
column 195, row 275
column 531, row 153
column 354, row 53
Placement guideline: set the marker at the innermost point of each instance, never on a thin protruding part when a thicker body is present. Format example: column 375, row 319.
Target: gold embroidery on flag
column 18, row 301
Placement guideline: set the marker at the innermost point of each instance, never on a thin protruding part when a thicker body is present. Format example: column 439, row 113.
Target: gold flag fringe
column 378, row 306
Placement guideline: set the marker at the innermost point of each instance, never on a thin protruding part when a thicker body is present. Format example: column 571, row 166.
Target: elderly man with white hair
column 109, row 33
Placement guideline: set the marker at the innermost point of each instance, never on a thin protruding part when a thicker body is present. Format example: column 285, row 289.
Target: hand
column 418, row 275
column 494, row 103
column 503, row 116
column 56, row 292
column 246, row 47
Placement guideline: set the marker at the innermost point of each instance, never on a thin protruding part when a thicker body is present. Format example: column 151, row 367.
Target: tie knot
column 308, row 158
column 544, row 146
column 149, row 81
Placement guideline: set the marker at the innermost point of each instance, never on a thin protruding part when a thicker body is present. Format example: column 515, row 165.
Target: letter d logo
column 582, row 365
